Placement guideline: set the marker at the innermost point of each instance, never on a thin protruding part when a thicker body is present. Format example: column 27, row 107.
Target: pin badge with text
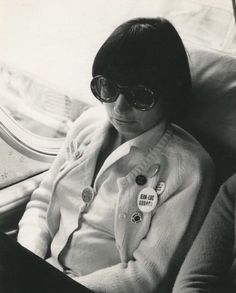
column 147, row 200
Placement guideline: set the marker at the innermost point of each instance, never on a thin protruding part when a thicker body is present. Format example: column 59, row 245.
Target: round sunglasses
column 107, row 91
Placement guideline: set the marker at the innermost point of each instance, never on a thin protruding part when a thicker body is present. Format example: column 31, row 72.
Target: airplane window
column 37, row 108
column 34, row 120
column 12, row 164
column 23, row 153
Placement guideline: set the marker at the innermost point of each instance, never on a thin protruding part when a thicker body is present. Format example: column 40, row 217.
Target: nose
column 121, row 104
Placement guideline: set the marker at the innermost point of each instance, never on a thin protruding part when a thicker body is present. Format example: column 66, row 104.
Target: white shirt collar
column 149, row 138
column 143, row 142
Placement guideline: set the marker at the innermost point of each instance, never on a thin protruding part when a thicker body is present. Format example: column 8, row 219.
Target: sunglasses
column 107, row 91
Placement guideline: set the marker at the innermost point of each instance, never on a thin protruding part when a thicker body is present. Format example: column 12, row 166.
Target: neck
column 123, row 137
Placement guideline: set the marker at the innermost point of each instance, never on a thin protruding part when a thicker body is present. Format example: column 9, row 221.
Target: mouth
column 122, row 120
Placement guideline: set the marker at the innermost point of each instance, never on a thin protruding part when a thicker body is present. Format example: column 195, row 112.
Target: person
column 127, row 194
column 210, row 265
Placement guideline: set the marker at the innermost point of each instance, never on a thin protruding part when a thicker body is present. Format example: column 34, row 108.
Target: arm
column 33, row 230
column 211, row 255
column 159, row 255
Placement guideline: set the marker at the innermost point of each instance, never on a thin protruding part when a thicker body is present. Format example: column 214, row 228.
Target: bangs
column 149, row 52
column 128, row 57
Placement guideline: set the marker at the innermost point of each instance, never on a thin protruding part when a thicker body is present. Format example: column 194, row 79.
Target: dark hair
column 148, row 51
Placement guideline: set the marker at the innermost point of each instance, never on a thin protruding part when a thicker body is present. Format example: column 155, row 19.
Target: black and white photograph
column 118, row 146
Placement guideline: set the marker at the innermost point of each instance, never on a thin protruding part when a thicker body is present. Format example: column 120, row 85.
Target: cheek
column 109, row 108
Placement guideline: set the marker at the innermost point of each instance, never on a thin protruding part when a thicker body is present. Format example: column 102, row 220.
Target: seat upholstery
column 211, row 115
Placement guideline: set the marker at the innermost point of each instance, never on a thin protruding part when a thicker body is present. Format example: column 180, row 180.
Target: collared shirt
column 92, row 246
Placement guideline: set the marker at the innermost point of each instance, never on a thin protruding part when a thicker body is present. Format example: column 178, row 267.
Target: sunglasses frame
column 121, row 89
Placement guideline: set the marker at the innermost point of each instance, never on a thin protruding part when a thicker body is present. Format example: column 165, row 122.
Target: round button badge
column 153, row 170
column 160, row 187
column 88, row 194
column 141, row 180
column 147, row 200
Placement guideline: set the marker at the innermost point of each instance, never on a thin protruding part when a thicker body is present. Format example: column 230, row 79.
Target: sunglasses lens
column 104, row 90
column 143, row 98
column 139, row 97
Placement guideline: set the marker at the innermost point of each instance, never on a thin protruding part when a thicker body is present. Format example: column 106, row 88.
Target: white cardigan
column 160, row 241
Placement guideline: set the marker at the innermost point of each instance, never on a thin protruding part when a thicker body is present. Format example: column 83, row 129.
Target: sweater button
column 87, row 194
column 77, row 155
column 124, row 182
column 122, row 216
column 136, row 217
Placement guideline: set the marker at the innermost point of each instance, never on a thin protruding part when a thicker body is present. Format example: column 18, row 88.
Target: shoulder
column 186, row 148
column 187, row 158
column 88, row 121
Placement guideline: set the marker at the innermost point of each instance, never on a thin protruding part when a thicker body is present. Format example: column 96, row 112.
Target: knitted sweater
column 158, row 242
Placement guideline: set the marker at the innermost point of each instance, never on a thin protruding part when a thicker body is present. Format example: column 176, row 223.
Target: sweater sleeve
column 159, row 255
column 33, row 232
column 211, row 255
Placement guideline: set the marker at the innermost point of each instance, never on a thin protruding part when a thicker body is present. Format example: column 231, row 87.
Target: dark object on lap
column 21, row 271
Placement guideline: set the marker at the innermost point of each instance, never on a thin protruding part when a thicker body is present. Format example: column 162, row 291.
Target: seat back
column 212, row 113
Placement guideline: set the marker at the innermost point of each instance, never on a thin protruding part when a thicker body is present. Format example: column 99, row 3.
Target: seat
column 211, row 114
